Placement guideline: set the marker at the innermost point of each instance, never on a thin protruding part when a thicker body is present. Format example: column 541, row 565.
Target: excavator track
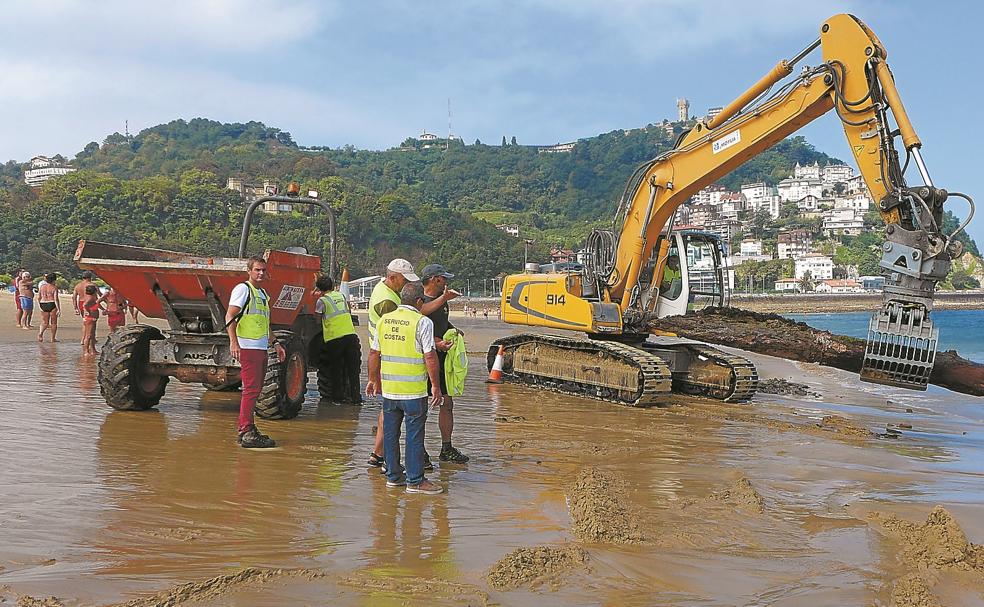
column 603, row 370
column 709, row 372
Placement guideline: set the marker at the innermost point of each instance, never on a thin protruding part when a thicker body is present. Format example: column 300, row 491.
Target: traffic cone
column 343, row 287
column 495, row 374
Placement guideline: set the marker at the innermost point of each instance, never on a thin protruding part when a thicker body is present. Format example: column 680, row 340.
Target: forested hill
column 164, row 187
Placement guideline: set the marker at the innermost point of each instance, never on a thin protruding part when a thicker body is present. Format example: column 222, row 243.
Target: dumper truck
column 191, row 293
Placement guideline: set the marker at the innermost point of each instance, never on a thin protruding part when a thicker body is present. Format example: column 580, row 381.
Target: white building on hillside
column 508, row 228
column 820, row 267
column 858, row 201
column 750, row 246
column 856, row 184
column 810, row 171
column 837, row 173
column 787, row 285
column 794, row 189
column 848, row 222
column 761, row 195
column 838, row 285
column 731, row 205
column 710, row 195
column 42, row 169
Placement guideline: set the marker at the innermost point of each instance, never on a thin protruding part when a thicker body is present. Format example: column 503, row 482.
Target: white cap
column 402, row 266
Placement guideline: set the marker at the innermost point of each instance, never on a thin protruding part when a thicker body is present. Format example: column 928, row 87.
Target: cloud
column 80, row 26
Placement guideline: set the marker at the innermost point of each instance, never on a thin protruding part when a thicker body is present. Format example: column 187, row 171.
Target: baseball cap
column 402, row 266
column 436, row 269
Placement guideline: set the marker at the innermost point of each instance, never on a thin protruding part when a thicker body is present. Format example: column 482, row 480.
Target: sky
column 371, row 74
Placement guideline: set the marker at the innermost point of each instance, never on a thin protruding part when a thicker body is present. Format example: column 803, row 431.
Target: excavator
column 622, row 285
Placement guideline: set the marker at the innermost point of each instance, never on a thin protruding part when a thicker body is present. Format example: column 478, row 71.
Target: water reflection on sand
column 99, row 505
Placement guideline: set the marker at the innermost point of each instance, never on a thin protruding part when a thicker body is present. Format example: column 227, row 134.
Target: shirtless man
column 25, row 291
column 78, row 296
column 20, row 313
column 50, row 307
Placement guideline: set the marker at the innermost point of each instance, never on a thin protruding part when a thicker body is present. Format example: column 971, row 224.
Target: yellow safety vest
column 380, row 293
column 403, row 369
column 336, row 320
column 255, row 321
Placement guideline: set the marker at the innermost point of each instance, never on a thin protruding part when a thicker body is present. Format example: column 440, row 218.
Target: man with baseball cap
column 384, row 299
column 436, row 297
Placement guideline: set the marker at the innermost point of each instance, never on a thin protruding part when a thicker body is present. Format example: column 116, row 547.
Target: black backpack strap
column 242, row 310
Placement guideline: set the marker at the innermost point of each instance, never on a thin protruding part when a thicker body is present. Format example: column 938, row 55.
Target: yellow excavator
column 626, row 280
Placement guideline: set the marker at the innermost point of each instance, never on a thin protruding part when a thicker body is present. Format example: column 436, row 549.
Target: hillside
column 164, row 186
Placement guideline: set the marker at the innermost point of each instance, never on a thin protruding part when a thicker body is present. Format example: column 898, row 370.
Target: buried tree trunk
column 777, row 336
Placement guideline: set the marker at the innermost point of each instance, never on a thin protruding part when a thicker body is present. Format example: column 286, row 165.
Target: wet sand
column 822, row 494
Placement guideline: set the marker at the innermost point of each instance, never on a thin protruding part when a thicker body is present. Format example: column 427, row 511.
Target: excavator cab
column 685, row 274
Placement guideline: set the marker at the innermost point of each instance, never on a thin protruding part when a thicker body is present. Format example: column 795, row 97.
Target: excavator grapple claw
column 901, row 346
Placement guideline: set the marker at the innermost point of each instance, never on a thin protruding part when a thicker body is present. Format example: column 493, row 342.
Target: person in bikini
column 91, row 308
column 115, row 308
column 50, row 307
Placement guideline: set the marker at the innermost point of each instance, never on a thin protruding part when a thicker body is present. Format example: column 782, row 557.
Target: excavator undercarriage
column 640, row 375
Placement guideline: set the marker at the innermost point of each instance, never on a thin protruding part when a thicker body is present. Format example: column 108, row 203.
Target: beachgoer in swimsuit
column 50, row 307
column 91, row 308
column 25, row 291
column 115, row 308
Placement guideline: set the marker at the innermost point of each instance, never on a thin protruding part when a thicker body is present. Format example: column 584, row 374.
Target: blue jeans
column 415, row 413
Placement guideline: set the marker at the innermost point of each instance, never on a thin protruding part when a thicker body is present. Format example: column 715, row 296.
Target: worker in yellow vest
column 341, row 356
column 672, row 283
column 402, row 358
column 248, row 326
column 384, row 299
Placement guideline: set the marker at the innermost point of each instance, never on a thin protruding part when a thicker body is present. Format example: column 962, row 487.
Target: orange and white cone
column 495, row 374
column 343, row 286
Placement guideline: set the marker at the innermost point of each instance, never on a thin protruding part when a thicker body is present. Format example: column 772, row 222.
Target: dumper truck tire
column 285, row 383
column 123, row 377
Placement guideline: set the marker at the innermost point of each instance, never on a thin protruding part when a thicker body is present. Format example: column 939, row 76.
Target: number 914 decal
column 556, row 300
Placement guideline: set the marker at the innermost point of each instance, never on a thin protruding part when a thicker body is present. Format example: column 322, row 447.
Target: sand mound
column 534, row 566
column 600, row 510
column 840, row 425
column 912, row 591
column 939, row 543
column 217, row 586
column 30, row 601
column 741, row 495
column 420, row 587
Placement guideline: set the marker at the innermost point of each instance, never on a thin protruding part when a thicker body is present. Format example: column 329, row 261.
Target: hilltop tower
column 683, row 110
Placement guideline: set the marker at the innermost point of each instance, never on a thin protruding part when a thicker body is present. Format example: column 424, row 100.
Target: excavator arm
column 855, row 81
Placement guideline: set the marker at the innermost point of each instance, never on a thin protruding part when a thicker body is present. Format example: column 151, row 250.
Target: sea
column 960, row 330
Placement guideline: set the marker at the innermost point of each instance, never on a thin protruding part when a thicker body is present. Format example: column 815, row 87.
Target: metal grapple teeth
column 901, row 346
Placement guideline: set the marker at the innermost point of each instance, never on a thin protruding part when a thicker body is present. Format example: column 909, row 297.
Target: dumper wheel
column 285, row 383
column 123, row 377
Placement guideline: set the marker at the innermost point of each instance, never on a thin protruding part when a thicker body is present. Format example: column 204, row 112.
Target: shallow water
column 100, row 506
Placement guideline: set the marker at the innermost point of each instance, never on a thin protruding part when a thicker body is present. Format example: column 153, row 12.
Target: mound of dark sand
column 534, row 566
column 600, row 510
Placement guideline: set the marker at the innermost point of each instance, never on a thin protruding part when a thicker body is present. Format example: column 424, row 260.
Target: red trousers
column 252, row 365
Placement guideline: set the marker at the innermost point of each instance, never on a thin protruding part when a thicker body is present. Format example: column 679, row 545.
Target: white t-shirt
column 423, row 344
column 238, row 299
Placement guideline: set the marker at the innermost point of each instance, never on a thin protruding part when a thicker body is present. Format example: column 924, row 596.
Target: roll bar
column 248, row 220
